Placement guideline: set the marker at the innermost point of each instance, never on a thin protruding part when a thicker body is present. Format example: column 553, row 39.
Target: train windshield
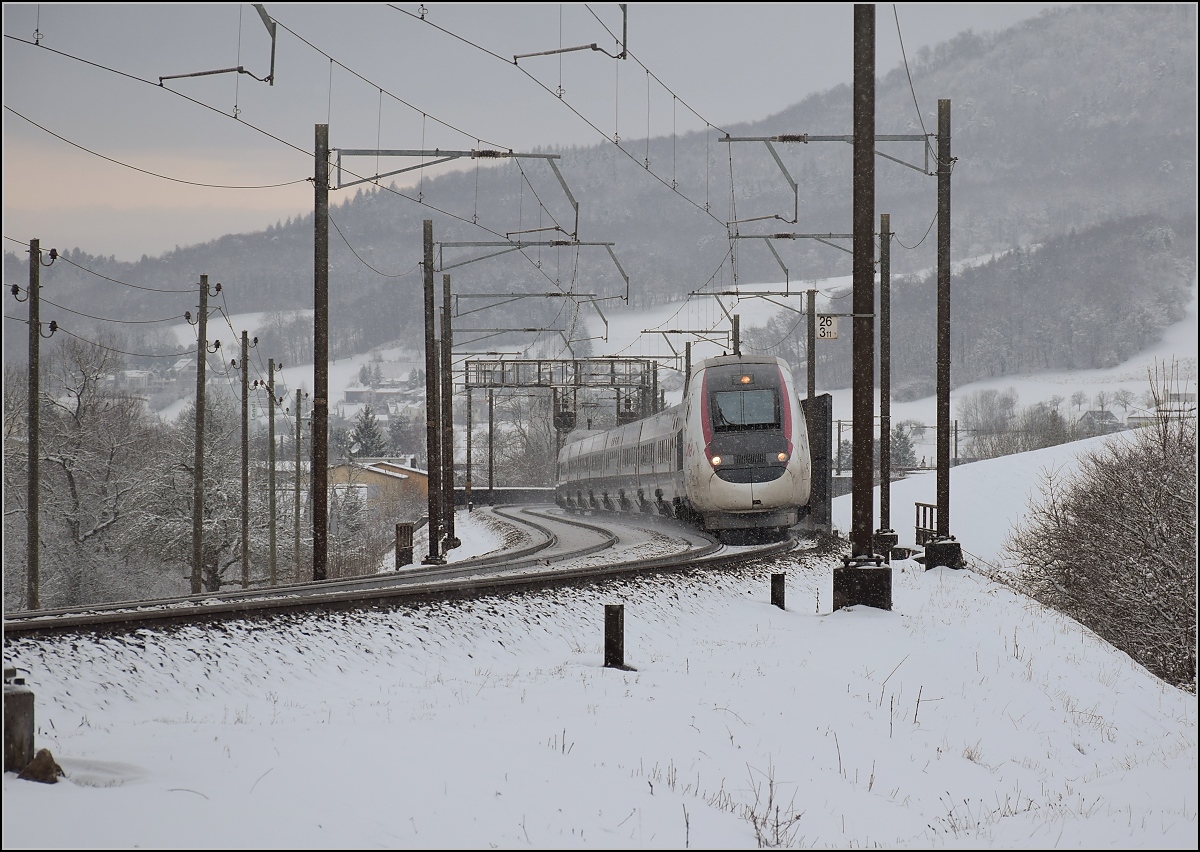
column 734, row 411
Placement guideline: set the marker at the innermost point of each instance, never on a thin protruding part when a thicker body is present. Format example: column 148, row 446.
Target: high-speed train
column 733, row 455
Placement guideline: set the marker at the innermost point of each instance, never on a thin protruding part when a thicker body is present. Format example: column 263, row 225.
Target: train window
column 748, row 409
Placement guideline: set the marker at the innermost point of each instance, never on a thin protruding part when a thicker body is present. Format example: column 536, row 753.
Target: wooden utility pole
column 811, row 307
column 32, row 506
column 433, row 437
column 271, row 467
column 319, row 473
column 491, row 445
column 863, row 376
column 245, row 459
column 886, row 537
column 945, row 164
column 859, row 582
column 885, row 372
column 943, row 550
column 296, row 510
column 198, row 461
column 447, row 419
column 467, row 483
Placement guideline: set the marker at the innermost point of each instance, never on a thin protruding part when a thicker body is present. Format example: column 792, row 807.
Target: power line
column 103, row 319
column 161, row 87
column 932, row 222
column 147, row 172
column 551, row 92
column 631, row 55
column 105, row 277
column 120, row 351
column 904, row 56
column 363, row 261
column 375, row 182
column 382, row 90
column 685, row 302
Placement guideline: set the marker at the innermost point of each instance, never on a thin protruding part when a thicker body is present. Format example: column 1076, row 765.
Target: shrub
column 1114, row 546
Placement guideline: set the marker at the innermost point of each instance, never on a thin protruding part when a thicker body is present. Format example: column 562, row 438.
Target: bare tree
column 987, row 417
column 1124, row 398
column 524, row 445
column 163, row 526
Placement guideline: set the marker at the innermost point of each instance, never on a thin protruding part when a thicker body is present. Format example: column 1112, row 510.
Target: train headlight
column 782, row 457
column 716, row 461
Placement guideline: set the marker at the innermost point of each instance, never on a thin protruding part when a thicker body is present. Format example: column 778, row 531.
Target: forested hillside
column 1068, row 130
column 1084, row 300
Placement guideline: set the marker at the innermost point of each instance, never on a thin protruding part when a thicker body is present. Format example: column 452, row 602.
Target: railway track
column 563, row 550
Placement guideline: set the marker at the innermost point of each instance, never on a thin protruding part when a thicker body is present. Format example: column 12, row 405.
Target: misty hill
column 1074, row 130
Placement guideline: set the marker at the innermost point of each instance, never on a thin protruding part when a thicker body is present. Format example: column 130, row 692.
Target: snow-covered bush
column 1114, row 546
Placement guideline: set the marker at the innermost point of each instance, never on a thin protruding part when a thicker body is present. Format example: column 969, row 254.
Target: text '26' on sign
column 826, row 327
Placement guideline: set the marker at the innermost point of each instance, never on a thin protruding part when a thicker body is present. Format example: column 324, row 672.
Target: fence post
column 18, row 722
column 404, row 545
column 614, row 636
column 777, row 590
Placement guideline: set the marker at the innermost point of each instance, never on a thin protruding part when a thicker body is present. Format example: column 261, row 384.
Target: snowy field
column 965, row 717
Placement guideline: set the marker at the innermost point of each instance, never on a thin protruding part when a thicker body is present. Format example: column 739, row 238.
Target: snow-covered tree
column 367, row 434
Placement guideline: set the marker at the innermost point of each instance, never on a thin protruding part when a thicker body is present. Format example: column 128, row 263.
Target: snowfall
column 966, row 716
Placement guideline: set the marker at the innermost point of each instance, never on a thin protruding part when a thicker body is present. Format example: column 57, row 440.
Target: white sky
column 966, row 717
column 726, row 63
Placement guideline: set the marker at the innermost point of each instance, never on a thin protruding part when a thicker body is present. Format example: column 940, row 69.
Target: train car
column 733, row 455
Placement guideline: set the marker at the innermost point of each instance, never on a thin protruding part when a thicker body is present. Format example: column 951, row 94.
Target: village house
column 392, row 486
column 1099, row 422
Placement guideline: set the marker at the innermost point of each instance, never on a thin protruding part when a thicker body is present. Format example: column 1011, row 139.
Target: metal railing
column 926, row 526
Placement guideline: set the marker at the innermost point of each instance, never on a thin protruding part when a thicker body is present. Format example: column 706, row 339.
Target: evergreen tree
column 368, row 435
column 406, row 436
column 902, row 456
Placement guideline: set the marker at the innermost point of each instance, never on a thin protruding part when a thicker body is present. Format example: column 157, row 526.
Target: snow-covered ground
column 478, row 533
column 965, row 717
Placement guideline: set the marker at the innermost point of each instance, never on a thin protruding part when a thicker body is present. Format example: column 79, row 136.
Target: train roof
column 579, row 434
column 726, row 360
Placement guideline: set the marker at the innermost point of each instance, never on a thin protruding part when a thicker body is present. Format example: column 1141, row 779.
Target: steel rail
column 458, row 580
column 293, row 590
